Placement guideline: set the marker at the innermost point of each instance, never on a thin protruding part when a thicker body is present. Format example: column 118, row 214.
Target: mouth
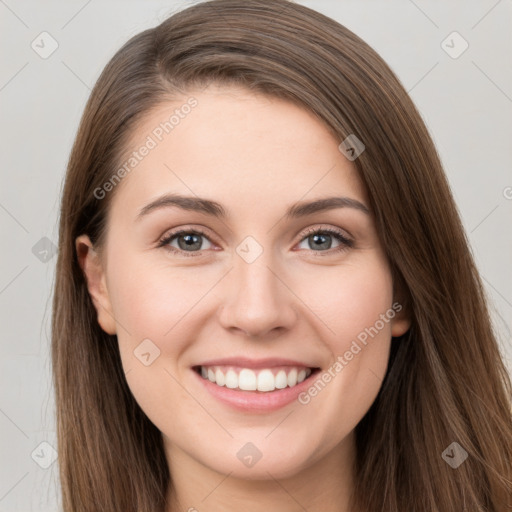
column 261, row 380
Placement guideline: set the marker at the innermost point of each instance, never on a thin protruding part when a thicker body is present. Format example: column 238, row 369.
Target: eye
column 188, row 240
column 318, row 238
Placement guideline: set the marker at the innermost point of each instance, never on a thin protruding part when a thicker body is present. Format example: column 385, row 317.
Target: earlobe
column 399, row 326
column 401, row 322
column 94, row 273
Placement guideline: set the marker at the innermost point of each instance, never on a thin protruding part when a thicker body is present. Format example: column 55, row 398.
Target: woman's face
column 271, row 291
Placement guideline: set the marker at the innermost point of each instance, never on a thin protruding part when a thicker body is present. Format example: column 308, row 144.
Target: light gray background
column 466, row 103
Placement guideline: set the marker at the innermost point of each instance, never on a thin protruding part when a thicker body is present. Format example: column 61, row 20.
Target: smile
column 246, row 379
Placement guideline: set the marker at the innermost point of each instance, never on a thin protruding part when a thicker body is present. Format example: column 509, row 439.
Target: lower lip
column 255, row 401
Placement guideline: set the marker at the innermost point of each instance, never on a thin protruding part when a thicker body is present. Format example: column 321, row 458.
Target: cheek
column 363, row 326
column 357, row 308
column 350, row 300
column 154, row 304
column 158, row 309
column 152, row 300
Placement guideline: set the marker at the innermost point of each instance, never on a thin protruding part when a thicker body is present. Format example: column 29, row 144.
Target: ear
column 92, row 267
column 401, row 322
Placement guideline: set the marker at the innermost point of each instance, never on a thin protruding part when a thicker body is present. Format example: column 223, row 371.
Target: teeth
column 219, row 378
column 281, row 380
column 261, row 380
column 266, row 381
column 292, row 378
column 231, row 379
column 247, row 380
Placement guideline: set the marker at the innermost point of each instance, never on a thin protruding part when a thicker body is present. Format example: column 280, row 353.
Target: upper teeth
column 249, row 380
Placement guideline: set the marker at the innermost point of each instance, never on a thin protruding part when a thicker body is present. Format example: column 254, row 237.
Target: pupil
column 190, row 241
column 318, row 238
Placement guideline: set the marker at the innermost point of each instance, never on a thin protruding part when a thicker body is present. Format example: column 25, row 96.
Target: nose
column 257, row 300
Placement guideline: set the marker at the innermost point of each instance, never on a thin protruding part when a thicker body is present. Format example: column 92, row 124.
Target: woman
column 264, row 293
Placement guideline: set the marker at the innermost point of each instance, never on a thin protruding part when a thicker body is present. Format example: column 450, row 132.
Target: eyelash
column 345, row 243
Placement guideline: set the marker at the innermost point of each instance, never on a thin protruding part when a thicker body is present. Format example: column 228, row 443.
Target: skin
column 256, row 156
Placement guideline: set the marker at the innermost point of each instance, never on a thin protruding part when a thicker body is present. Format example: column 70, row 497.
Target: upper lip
column 245, row 362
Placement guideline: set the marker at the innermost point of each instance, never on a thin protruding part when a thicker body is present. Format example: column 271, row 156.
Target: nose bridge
column 257, row 300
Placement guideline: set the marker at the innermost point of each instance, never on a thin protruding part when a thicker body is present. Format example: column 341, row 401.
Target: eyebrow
column 215, row 209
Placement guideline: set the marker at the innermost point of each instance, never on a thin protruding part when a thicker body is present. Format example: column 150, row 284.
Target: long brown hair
column 446, row 381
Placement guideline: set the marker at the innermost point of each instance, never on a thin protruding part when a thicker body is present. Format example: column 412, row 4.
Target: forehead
column 229, row 142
